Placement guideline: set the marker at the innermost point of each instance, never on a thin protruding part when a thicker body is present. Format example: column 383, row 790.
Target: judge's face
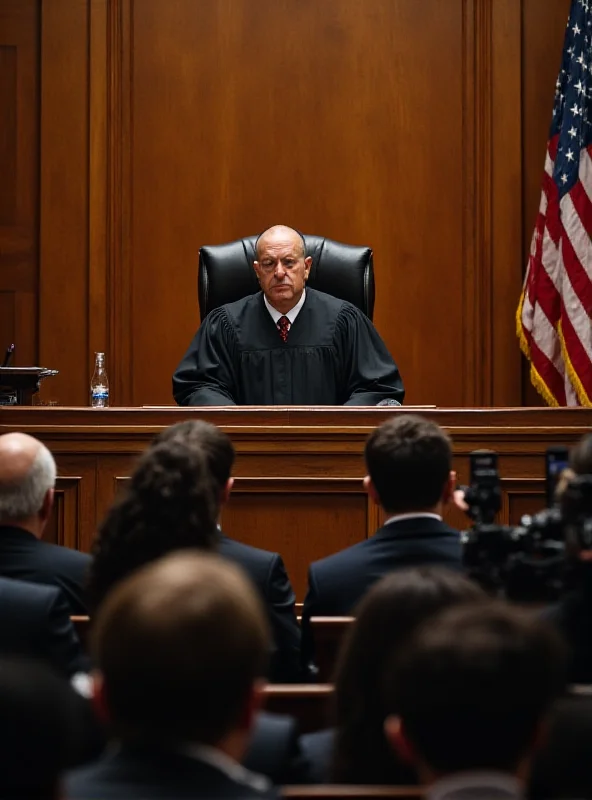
column 282, row 269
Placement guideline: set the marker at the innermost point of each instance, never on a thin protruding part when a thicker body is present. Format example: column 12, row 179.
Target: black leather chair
column 226, row 272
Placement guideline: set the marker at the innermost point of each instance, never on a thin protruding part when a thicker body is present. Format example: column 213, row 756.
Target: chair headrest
column 226, row 272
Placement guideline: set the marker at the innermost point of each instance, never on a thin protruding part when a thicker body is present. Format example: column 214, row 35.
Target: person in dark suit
column 172, row 503
column 356, row 750
column 470, row 697
column 287, row 345
column 27, row 480
column 572, row 614
column 44, row 730
column 561, row 768
column 409, row 462
column 181, row 649
column 35, row 622
column 266, row 569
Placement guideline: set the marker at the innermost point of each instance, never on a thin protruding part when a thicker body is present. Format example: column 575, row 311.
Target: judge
column 286, row 345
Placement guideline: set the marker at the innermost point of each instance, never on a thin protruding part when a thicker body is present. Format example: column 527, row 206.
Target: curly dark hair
column 213, row 442
column 172, row 503
column 390, row 612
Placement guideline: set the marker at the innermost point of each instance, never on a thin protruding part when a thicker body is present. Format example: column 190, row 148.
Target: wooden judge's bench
column 298, row 474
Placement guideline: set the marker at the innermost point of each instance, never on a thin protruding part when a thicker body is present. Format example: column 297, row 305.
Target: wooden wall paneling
column 98, row 189
column 73, row 519
column 7, row 319
column 543, row 26
column 491, row 209
column 19, row 177
column 63, row 528
column 302, row 519
column 475, row 343
column 119, row 199
column 522, row 496
column 417, row 130
column 341, row 118
column 506, row 201
column 113, row 471
column 64, row 239
column 298, row 473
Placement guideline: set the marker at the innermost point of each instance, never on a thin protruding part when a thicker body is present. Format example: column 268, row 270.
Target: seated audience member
column 356, row 751
column 44, row 730
column 471, row 694
column 35, row 622
column 181, row 648
column 27, row 480
column 573, row 614
column 561, row 768
column 409, row 462
column 266, row 570
column 173, row 503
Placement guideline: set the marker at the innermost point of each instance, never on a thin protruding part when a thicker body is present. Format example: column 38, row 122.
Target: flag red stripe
column 546, row 369
column 577, row 274
column 542, row 292
column 577, row 354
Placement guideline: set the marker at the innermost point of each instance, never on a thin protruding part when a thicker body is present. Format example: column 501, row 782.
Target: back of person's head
column 580, row 456
column 172, row 503
column 27, row 476
column 385, row 618
column 409, row 461
column 42, row 729
column 180, row 646
column 213, row 442
column 472, row 689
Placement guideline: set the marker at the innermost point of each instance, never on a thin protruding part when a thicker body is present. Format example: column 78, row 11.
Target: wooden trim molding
column 67, row 504
column 477, row 261
column 97, row 181
column 514, row 487
column 119, row 193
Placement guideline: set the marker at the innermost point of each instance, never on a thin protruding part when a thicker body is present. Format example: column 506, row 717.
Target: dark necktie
column 283, row 325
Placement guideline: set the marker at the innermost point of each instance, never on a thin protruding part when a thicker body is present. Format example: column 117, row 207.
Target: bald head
column 27, row 475
column 282, row 266
column 281, row 234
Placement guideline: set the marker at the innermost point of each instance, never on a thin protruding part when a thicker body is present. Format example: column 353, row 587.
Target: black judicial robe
column 333, row 356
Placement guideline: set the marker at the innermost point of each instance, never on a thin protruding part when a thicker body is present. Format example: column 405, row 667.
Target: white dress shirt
column 476, row 785
column 292, row 313
column 224, row 763
column 413, row 515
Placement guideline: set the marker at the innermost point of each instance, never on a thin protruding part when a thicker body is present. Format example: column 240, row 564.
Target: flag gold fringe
column 542, row 388
column 535, row 378
column 520, row 327
column 572, row 374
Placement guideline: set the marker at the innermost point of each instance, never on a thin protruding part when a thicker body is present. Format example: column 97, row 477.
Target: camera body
column 528, row 561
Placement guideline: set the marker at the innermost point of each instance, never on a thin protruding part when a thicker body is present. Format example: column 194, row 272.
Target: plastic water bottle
column 99, row 385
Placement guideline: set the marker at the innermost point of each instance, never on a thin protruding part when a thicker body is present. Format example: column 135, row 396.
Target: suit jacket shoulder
column 256, row 562
column 317, row 753
column 35, row 622
column 337, row 582
column 273, row 747
column 24, row 557
column 408, row 543
column 268, row 573
column 154, row 775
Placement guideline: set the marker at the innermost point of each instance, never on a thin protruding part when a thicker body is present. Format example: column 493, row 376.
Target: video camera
column 526, row 562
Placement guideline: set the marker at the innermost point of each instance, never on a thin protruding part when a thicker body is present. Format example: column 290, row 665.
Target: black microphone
column 8, row 356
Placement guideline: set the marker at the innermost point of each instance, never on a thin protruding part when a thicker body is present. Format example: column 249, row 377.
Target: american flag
column 553, row 319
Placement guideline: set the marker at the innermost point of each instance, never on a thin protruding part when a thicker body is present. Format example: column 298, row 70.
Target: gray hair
column 23, row 498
